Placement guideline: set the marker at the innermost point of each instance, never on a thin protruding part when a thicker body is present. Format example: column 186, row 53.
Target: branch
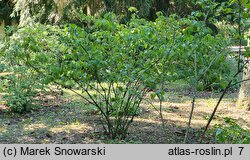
column 229, row 85
column 64, row 86
column 239, row 82
column 152, row 105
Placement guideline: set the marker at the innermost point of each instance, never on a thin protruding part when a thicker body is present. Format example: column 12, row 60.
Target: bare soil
column 63, row 120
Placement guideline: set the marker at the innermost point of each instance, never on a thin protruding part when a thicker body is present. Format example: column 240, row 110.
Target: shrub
column 116, row 65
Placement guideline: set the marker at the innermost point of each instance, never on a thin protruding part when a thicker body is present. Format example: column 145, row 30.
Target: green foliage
column 2, row 67
column 116, row 65
column 20, row 90
column 204, row 61
column 19, row 84
column 231, row 132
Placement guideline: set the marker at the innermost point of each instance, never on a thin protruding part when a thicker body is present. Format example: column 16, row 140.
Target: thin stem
column 194, row 97
column 240, row 82
column 229, row 85
column 215, row 109
column 190, row 119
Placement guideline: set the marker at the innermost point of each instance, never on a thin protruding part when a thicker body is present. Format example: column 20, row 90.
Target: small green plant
column 20, row 91
column 18, row 102
column 230, row 132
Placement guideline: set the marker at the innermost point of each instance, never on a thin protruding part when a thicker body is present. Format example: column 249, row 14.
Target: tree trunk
column 159, row 5
column 109, row 5
column 244, row 93
column 1, row 28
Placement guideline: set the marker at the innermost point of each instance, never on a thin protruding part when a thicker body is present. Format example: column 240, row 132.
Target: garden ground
column 67, row 119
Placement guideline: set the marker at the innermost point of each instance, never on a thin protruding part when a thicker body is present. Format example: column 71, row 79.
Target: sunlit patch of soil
column 63, row 120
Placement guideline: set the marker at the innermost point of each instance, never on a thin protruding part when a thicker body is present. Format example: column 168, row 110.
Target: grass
column 68, row 119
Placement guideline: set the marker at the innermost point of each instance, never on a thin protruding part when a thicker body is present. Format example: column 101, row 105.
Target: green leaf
column 152, row 95
column 132, row 9
column 219, row 132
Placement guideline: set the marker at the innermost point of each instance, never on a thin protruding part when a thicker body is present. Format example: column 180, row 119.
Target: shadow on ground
column 76, row 124
column 63, row 121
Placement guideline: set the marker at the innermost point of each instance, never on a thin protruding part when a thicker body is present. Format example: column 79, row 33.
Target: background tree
column 243, row 25
column 244, row 93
